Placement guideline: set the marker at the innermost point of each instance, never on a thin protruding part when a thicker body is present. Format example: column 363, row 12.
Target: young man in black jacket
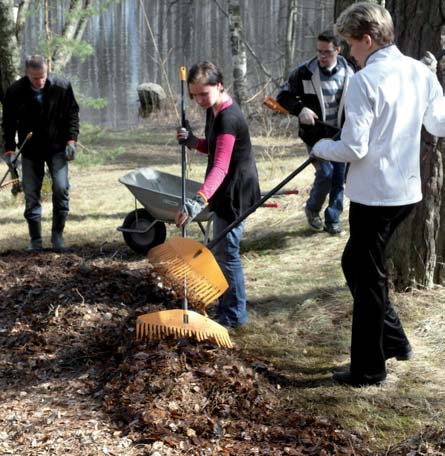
column 315, row 92
column 44, row 105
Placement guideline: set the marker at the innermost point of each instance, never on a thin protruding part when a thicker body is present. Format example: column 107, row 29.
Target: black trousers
column 376, row 328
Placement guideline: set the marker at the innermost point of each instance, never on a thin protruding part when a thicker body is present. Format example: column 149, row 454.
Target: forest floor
column 73, row 379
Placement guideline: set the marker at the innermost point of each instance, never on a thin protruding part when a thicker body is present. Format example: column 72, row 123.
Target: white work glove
column 313, row 152
column 70, row 151
column 307, row 116
column 186, row 136
column 430, row 61
column 193, row 207
column 9, row 157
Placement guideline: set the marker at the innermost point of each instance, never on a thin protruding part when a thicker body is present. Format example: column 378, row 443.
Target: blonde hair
column 366, row 19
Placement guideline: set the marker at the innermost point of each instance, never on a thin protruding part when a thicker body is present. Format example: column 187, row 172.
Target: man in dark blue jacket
column 315, row 92
column 44, row 105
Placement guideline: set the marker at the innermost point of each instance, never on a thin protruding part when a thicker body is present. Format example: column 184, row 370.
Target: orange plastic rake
column 170, row 323
column 12, row 168
column 273, row 104
column 177, row 261
column 9, row 183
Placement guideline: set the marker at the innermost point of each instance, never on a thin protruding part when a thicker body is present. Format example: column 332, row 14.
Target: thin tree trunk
column 239, row 58
column 48, row 35
column 9, row 49
column 22, row 11
column 289, row 50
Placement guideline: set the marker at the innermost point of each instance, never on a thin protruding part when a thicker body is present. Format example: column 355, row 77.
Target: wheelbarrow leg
column 206, row 231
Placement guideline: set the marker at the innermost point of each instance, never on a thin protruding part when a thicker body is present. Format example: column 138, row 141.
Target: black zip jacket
column 53, row 122
column 303, row 89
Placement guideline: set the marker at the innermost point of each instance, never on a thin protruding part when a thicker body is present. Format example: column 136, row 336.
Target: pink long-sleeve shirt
column 223, row 155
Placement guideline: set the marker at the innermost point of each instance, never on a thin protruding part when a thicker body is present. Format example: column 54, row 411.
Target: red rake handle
column 285, row 192
column 273, row 204
column 260, row 202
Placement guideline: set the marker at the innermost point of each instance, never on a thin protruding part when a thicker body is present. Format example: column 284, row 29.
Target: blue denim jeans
column 231, row 309
column 329, row 180
column 33, row 174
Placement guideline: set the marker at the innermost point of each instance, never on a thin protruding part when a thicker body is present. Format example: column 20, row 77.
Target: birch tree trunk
column 291, row 37
column 9, row 46
column 416, row 250
column 76, row 21
column 239, row 57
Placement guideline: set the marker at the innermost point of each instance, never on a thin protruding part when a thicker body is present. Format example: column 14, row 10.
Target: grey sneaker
column 334, row 229
column 314, row 219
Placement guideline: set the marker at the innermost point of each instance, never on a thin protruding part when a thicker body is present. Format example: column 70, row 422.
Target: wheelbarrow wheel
column 140, row 219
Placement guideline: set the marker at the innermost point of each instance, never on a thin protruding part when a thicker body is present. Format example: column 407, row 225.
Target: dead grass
column 299, row 307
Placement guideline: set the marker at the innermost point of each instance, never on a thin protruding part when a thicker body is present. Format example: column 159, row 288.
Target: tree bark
column 341, row 5
column 9, row 49
column 416, row 250
column 239, row 58
column 75, row 25
column 289, row 50
column 22, row 11
column 187, row 31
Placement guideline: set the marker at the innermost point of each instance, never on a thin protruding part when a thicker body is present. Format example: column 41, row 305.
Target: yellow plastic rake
column 170, row 323
column 182, row 260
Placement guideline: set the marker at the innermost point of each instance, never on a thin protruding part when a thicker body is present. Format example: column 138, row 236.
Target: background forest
column 130, row 39
column 73, row 380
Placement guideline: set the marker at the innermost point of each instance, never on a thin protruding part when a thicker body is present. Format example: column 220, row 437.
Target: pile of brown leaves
column 74, row 381
column 204, row 401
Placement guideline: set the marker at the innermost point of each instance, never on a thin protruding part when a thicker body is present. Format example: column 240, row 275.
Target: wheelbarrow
column 160, row 195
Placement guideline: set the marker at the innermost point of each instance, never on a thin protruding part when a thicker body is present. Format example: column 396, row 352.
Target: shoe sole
column 358, row 384
column 406, row 357
column 315, row 227
column 402, row 357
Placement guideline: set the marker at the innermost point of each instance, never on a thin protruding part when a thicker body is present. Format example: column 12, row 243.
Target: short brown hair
column 366, row 19
column 205, row 73
column 328, row 36
column 35, row 62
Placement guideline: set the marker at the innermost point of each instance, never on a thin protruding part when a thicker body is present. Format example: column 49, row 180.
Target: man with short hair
column 44, row 105
column 315, row 92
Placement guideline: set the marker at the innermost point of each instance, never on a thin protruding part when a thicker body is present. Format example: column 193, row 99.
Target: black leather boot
column 35, row 233
column 57, row 232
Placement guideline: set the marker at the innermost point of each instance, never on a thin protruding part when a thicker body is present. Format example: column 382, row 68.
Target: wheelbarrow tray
column 161, row 193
